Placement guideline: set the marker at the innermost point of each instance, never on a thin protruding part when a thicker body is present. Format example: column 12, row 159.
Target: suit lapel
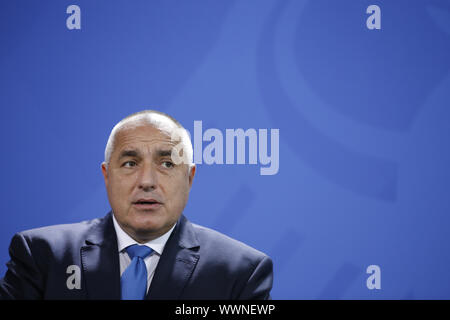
column 176, row 264
column 100, row 261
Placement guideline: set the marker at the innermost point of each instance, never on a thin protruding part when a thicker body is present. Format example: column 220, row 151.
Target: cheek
column 121, row 186
column 179, row 194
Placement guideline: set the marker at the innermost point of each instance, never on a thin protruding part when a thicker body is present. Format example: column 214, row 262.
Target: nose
column 148, row 179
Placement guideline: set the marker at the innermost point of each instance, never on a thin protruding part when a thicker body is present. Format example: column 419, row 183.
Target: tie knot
column 136, row 250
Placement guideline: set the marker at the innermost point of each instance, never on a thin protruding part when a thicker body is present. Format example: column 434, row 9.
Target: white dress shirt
column 158, row 244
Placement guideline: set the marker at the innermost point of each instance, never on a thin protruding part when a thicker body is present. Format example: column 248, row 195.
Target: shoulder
column 221, row 246
column 56, row 236
column 61, row 231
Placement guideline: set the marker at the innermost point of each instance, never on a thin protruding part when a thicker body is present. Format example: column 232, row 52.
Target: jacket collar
column 176, row 264
column 103, row 232
column 100, row 261
column 186, row 237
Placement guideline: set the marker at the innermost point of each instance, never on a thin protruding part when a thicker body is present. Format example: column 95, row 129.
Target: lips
column 147, row 204
column 146, row 201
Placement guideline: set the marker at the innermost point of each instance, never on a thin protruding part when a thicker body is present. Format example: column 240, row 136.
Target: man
column 144, row 248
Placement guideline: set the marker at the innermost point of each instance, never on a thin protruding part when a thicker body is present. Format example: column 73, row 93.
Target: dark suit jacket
column 197, row 263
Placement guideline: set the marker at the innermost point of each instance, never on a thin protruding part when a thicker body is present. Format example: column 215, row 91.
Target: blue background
column 363, row 116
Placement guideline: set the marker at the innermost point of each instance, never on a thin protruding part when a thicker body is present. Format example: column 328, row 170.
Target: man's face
column 146, row 190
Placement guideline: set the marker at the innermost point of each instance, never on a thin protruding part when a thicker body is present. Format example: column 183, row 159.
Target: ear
column 191, row 175
column 105, row 172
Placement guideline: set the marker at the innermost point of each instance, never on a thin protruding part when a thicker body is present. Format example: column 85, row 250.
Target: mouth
column 147, row 204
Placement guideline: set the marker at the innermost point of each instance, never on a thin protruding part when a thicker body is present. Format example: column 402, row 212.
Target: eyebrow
column 134, row 153
column 128, row 153
column 164, row 153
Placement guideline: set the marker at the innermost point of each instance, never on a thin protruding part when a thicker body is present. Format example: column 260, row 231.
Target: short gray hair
column 158, row 120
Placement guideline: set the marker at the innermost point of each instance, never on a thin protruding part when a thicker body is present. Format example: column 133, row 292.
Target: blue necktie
column 134, row 279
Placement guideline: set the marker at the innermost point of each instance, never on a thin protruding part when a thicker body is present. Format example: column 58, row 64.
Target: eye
column 167, row 164
column 129, row 164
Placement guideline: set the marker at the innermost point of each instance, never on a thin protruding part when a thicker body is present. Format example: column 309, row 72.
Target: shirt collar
column 124, row 240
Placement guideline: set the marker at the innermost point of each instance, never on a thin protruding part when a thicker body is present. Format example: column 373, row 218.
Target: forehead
column 141, row 136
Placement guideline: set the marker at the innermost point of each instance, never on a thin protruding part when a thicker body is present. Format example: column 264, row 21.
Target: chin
column 149, row 224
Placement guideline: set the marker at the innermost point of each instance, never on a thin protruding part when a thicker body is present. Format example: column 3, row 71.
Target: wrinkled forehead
column 144, row 131
column 154, row 120
column 142, row 136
